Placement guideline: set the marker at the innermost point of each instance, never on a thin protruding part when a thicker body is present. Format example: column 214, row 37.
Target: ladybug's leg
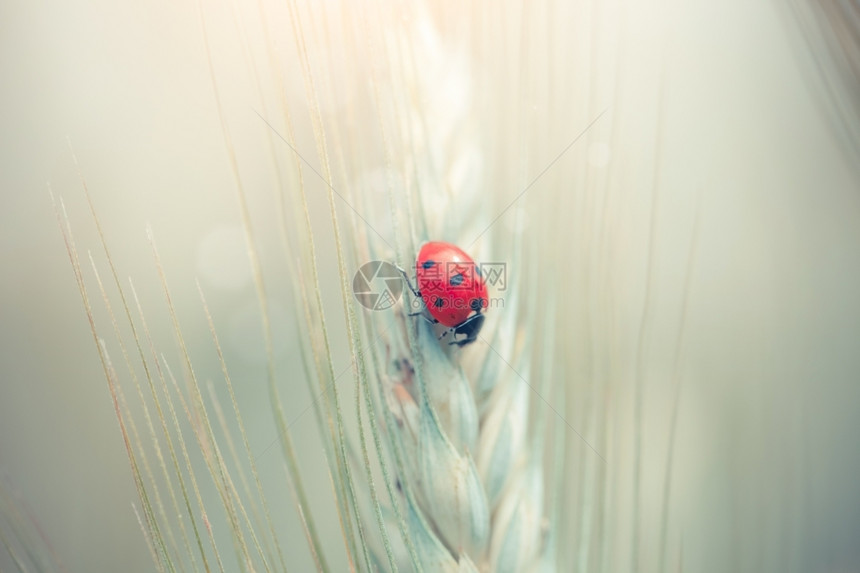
column 414, row 290
column 423, row 315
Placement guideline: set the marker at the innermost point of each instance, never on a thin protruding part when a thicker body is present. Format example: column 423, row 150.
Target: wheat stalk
column 434, row 433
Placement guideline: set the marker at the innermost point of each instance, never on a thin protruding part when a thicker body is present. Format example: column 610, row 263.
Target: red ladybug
column 452, row 288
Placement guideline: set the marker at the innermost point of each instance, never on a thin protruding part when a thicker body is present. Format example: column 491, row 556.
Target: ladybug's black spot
column 427, row 264
column 457, row 279
column 476, row 304
column 439, row 303
column 478, row 271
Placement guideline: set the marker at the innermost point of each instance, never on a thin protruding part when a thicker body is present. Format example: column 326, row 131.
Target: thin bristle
column 206, row 435
column 71, row 250
column 180, row 438
column 153, row 439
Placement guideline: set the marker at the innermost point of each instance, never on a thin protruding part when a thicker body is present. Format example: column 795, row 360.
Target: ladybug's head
column 470, row 329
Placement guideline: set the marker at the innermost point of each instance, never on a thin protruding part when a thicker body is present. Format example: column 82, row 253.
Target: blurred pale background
column 767, row 446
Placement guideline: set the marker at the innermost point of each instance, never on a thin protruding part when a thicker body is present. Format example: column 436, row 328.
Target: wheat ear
column 455, row 434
